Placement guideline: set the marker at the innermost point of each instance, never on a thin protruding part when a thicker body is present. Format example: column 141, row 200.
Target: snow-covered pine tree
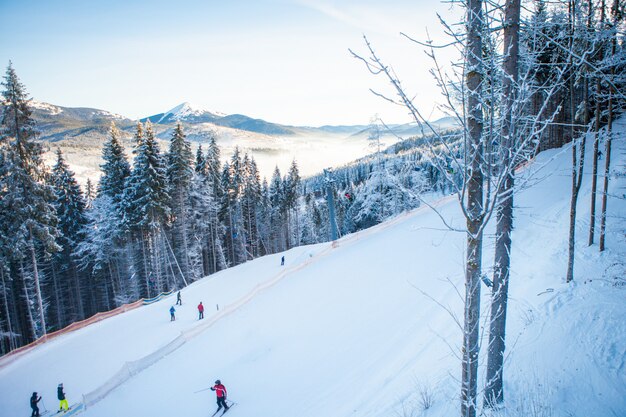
column 214, row 166
column 146, row 212
column 263, row 219
column 200, row 163
column 292, row 193
column 28, row 219
column 232, row 184
column 276, row 196
column 250, row 200
column 115, row 168
column 215, row 239
column 71, row 291
column 102, row 254
column 179, row 175
column 90, row 193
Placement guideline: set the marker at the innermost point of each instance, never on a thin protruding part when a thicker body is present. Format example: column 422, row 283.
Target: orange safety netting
column 14, row 354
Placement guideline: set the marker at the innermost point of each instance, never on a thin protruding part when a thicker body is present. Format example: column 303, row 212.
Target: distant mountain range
column 80, row 133
column 187, row 113
column 58, row 123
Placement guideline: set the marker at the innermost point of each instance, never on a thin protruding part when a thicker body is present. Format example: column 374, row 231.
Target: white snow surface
column 365, row 326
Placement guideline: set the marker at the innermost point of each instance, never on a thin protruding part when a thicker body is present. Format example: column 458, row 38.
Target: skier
column 62, row 399
column 220, row 391
column 282, row 261
column 200, row 311
column 33, row 404
column 179, row 301
column 172, row 311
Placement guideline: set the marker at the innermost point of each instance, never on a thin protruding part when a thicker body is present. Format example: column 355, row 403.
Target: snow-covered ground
column 368, row 326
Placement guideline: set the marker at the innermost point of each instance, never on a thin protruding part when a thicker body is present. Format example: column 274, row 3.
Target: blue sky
column 285, row 61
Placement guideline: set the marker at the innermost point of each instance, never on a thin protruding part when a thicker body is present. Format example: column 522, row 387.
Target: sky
column 285, row 61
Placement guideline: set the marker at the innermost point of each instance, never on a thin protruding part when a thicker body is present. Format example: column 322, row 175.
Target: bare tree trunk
column 29, row 312
column 57, row 298
column 607, row 171
column 146, row 270
column 473, row 264
column 594, row 175
column 577, row 173
column 494, row 392
column 37, row 285
column 577, row 162
column 79, row 292
column 607, row 161
column 12, row 344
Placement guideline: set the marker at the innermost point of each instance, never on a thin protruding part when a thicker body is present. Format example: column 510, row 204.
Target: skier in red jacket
column 200, row 311
column 220, row 391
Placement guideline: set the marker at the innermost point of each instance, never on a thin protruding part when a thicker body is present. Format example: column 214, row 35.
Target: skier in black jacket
column 33, row 404
column 62, row 399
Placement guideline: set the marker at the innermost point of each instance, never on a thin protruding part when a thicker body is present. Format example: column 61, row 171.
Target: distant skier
column 33, row 404
column 200, row 311
column 220, row 391
column 179, row 301
column 282, row 261
column 172, row 315
column 62, row 399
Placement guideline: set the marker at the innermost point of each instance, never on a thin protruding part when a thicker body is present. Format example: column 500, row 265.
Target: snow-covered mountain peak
column 52, row 109
column 186, row 110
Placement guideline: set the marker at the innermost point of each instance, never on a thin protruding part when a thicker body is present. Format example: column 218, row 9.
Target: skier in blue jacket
column 172, row 315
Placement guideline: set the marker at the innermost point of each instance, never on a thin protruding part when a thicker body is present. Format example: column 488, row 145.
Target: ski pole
column 44, row 405
column 204, row 389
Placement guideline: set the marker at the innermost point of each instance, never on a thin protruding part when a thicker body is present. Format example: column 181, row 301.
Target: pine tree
column 28, row 218
column 201, row 164
column 179, row 174
column 214, row 167
column 146, row 211
column 215, row 256
column 115, row 169
column 101, row 253
column 251, row 197
column 90, row 193
column 71, row 294
column 292, row 192
column 276, row 197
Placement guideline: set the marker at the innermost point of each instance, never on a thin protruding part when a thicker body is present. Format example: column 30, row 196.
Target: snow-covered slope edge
column 356, row 332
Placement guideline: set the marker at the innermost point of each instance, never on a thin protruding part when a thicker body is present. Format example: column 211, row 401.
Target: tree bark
column 494, row 391
column 37, row 286
column 577, row 161
column 607, row 171
column 594, row 174
column 474, row 212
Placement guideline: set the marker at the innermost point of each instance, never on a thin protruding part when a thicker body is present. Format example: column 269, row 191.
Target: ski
column 229, row 407
column 223, row 412
column 75, row 408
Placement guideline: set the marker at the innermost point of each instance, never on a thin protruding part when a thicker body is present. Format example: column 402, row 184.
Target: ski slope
column 364, row 326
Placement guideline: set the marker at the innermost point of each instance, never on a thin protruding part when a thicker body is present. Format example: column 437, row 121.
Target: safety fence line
column 11, row 356
column 147, row 301
column 16, row 353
